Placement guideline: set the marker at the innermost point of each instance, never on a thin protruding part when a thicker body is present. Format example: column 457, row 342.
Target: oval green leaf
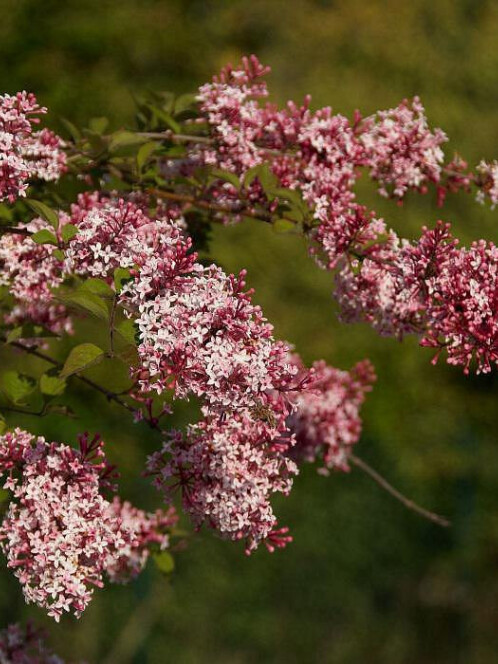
column 80, row 358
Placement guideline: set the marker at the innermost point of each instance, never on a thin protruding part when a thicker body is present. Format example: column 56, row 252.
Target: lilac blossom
column 25, row 155
column 227, row 468
column 60, row 535
column 143, row 532
column 326, row 422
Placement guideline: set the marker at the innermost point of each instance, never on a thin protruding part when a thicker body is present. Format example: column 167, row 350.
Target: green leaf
column 80, row 358
column 251, row 175
column 283, row 226
column 124, row 138
column 185, row 102
column 4, row 494
column 59, row 254
column 97, row 142
column 267, row 178
column 164, row 562
column 264, row 175
column 296, row 214
column 73, row 131
column 53, row 386
column 28, row 331
column 227, row 176
column 128, row 331
column 116, row 184
column 16, row 386
column 44, row 211
column 44, row 237
column 68, row 232
column 291, row 195
column 3, row 425
column 98, row 125
column 121, row 276
column 87, row 301
column 14, row 335
column 59, row 409
column 144, row 153
column 167, row 119
column 5, row 212
column 98, row 287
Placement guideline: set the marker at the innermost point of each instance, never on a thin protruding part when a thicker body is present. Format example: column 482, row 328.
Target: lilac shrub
column 123, row 253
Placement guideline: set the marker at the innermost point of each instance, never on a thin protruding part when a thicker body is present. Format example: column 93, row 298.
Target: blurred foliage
column 365, row 580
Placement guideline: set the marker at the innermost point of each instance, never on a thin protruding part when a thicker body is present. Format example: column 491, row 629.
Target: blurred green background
column 365, row 581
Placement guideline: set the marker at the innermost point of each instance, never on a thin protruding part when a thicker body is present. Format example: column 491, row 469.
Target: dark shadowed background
column 365, row 580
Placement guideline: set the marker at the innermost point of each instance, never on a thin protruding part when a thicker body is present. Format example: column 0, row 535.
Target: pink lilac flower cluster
column 24, row 154
column 461, row 296
column 30, row 271
column 487, row 178
column 316, row 153
column 20, row 645
column 446, row 294
column 326, row 422
column 145, row 531
column 397, row 286
column 367, row 284
column 60, row 535
column 227, row 471
column 57, row 532
column 230, row 106
column 107, row 230
column 199, row 334
column 401, row 151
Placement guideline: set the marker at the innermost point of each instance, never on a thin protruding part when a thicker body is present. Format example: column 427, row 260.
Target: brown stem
column 14, row 229
column 180, row 138
column 207, row 205
column 111, row 396
column 111, row 323
column 213, row 207
column 407, row 502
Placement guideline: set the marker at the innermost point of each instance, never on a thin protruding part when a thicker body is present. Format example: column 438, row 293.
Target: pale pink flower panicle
column 57, row 531
column 144, row 531
column 487, row 182
column 401, row 150
column 31, row 271
column 24, row 154
column 462, row 305
column 227, row 469
column 326, row 422
column 60, row 534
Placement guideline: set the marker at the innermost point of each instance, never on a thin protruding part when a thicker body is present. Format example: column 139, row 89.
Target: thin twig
column 207, row 205
column 12, row 409
column 214, row 207
column 111, row 396
column 407, row 502
column 171, row 136
column 14, row 229
column 111, row 323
